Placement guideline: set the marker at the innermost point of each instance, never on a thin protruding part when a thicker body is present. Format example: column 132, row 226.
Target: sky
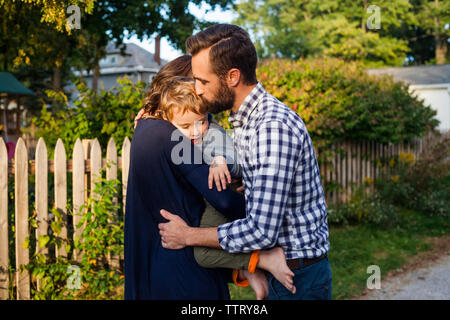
column 203, row 12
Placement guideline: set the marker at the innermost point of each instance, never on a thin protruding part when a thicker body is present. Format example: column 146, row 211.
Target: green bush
column 339, row 101
column 93, row 276
column 109, row 113
column 364, row 208
column 423, row 184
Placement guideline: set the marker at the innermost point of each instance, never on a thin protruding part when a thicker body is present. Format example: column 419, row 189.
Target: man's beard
column 223, row 100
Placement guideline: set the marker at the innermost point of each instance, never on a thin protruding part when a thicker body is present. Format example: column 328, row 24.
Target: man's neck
column 241, row 93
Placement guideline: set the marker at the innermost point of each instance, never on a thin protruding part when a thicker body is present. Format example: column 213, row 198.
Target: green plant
column 99, row 115
column 423, row 184
column 338, row 101
column 365, row 208
column 97, row 267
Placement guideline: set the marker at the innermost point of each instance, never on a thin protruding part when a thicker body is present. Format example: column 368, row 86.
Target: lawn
column 354, row 248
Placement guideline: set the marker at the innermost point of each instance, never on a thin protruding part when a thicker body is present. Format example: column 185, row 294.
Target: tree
column 35, row 33
column 434, row 19
column 114, row 20
column 302, row 28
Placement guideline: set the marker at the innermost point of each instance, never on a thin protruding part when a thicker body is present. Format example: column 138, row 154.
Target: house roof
column 9, row 84
column 420, row 75
column 134, row 56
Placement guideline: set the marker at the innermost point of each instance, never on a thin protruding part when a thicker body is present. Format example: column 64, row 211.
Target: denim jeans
column 312, row 283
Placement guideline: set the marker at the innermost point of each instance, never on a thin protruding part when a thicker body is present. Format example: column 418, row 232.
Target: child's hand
column 219, row 173
column 140, row 115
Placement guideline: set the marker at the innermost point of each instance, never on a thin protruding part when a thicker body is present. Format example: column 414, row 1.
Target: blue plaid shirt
column 285, row 203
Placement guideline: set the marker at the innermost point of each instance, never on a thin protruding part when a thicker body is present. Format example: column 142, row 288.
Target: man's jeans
column 312, row 283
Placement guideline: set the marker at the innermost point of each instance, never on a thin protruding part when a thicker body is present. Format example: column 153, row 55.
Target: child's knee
column 200, row 255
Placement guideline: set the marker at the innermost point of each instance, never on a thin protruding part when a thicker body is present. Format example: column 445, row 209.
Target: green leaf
column 43, row 240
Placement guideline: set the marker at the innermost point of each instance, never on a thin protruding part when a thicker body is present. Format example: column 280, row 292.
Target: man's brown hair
column 231, row 47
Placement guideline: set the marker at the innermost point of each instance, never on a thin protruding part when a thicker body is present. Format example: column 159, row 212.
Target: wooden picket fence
column 86, row 165
column 351, row 164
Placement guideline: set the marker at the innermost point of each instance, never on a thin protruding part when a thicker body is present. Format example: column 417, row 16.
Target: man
column 285, row 202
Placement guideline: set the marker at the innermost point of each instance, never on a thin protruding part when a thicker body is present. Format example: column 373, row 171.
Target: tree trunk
column 57, row 78
column 95, row 76
column 363, row 20
column 440, row 51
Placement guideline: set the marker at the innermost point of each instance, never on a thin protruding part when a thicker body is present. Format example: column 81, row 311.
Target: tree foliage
column 95, row 115
column 303, row 28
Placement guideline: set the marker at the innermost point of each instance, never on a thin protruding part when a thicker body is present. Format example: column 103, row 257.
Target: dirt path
column 425, row 277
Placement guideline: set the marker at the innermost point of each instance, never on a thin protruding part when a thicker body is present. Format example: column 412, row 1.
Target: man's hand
column 238, row 185
column 219, row 173
column 173, row 233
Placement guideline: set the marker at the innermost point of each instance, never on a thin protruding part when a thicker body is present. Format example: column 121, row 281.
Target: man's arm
column 176, row 234
column 277, row 152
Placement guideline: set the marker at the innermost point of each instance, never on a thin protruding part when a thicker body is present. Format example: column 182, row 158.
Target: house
column 135, row 62
column 430, row 83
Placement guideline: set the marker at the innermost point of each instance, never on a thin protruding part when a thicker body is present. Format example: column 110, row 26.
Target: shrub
column 93, row 276
column 95, row 115
column 339, row 101
column 423, row 185
column 366, row 209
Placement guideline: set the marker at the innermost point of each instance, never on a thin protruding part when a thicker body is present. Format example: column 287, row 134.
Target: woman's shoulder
column 154, row 127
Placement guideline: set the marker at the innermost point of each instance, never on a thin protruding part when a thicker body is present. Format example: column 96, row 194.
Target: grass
column 354, row 248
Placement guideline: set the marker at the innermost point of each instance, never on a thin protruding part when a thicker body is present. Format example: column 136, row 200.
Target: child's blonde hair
column 179, row 93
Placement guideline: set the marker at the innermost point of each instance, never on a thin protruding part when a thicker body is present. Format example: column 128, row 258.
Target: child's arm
column 221, row 155
column 219, row 173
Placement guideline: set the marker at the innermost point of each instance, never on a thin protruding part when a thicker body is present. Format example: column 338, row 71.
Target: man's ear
column 233, row 77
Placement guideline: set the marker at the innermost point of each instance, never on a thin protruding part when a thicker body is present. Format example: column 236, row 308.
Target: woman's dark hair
column 180, row 66
column 231, row 47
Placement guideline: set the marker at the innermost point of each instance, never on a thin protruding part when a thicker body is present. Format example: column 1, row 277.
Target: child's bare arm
column 219, row 173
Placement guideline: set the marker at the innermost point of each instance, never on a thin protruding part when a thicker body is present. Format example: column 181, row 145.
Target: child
column 218, row 151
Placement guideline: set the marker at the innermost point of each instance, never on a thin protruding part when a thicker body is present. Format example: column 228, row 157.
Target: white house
column 430, row 83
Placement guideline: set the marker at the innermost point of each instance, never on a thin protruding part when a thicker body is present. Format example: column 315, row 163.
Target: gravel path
column 430, row 282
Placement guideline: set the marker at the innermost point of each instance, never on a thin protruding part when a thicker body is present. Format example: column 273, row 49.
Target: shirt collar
column 250, row 102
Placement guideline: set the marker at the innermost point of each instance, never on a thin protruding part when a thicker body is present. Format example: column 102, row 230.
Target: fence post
column 111, row 174
column 125, row 168
column 78, row 190
column 21, row 219
column 61, row 192
column 41, row 190
column 4, row 254
column 96, row 166
column 87, row 143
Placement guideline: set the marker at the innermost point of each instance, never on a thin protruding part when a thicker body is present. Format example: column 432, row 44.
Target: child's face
column 191, row 124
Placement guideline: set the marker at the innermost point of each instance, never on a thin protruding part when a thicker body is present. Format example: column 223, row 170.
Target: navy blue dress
column 156, row 182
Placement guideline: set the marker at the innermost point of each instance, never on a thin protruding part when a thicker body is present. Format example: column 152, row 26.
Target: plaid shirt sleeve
column 275, row 153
